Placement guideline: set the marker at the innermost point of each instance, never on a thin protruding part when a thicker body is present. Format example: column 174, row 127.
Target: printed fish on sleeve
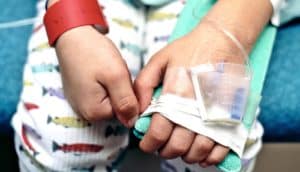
column 58, row 92
column 30, row 106
column 24, row 135
column 77, row 148
column 44, row 68
column 69, row 121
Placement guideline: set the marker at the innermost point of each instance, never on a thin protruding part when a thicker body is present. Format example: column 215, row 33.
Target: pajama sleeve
column 284, row 11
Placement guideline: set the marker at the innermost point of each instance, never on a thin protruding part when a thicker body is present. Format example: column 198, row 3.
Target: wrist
column 243, row 19
column 68, row 14
column 217, row 45
column 73, row 37
column 73, row 47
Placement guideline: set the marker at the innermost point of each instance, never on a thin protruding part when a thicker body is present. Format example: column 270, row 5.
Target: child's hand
column 203, row 45
column 244, row 19
column 96, row 80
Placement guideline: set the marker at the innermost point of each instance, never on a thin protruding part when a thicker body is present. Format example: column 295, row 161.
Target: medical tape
column 171, row 107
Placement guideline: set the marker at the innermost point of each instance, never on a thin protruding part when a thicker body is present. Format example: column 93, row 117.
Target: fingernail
column 132, row 121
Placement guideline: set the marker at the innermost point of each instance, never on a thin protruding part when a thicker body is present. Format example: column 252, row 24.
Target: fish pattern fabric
column 49, row 135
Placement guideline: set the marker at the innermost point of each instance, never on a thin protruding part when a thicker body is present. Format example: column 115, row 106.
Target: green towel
column 190, row 16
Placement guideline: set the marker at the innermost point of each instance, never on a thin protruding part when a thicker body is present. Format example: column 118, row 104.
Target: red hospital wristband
column 67, row 14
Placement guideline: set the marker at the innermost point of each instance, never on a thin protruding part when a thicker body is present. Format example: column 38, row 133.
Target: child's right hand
column 95, row 78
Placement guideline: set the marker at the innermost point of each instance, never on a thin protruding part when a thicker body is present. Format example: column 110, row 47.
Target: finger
column 157, row 135
column 178, row 144
column 149, row 78
column 122, row 97
column 199, row 150
column 216, row 156
column 99, row 111
column 96, row 106
column 104, row 107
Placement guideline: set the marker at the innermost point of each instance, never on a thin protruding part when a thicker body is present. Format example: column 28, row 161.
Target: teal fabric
column 13, row 50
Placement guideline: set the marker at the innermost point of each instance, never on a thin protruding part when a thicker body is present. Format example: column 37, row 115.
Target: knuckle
column 126, row 104
column 90, row 112
column 214, row 159
column 116, row 75
column 140, row 83
column 156, row 136
column 203, row 146
column 146, row 146
column 106, row 109
column 177, row 149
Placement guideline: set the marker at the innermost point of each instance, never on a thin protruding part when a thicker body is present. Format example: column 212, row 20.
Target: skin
column 96, row 94
column 245, row 20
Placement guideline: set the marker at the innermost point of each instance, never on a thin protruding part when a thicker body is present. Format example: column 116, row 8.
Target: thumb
column 123, row 100
column 149, row 78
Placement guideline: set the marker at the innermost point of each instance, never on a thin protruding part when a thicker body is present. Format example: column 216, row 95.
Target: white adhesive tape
column 233, row 137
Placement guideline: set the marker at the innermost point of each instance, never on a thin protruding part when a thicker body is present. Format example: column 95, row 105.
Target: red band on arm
column 67, row 14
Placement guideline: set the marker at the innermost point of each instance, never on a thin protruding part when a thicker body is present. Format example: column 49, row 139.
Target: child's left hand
column 205, row 44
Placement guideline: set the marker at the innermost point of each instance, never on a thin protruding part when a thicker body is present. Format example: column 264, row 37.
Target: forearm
column 245, row 19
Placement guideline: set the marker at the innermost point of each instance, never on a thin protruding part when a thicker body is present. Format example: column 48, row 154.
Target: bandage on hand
column 221, row 91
